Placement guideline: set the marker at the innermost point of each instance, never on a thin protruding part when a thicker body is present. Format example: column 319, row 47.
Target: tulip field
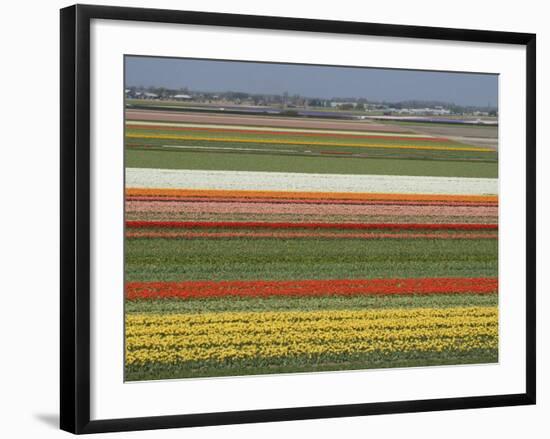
column 254, row 248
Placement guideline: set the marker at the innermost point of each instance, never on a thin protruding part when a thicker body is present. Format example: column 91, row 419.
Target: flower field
column 256, row 249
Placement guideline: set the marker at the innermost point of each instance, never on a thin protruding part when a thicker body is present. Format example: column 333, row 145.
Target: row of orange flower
column 340, row 287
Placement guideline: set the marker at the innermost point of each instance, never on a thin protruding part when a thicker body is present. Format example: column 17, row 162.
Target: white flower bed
column 284, row 181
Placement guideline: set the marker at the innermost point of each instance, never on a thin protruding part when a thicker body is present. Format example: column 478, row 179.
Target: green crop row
column 256, row 366
column 217, row 259
column 274, row 303
column 249, row 161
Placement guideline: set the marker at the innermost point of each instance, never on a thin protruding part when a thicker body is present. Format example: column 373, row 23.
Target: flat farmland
column 247, row 143
column 260, row 244
column 265, row 121
column 480, row 135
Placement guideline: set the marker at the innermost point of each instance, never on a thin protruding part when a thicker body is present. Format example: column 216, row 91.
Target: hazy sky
column 313, row 81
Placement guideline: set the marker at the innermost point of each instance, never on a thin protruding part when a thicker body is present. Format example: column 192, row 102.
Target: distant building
column 182, row 97
column 343, row 104
column 431, row 111
column 148, row 95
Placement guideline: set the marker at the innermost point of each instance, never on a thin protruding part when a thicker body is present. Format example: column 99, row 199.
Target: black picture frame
column 75, row 217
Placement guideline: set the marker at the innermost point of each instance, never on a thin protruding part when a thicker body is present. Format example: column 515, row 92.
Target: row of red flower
column 303, row 225
column 309, row 234
column 341, row 287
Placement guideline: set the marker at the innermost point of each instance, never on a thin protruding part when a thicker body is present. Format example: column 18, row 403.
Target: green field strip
column 219, row 259
column 256, row 366
column 249, row 270
column 307, row 150
column 306, row 142
column 310, row 144
column 334, row 302
column 289, row 154
column 167, row 159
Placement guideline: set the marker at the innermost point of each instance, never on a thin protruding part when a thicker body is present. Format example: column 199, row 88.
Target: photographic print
column 285, row 218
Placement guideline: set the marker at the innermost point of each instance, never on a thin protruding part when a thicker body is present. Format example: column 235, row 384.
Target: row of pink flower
column 312, row 209
column 304, row 225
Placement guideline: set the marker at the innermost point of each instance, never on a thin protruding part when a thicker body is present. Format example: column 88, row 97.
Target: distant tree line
column 290, row 101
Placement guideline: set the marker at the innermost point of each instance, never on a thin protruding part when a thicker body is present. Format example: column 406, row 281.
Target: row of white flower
column 286, row 181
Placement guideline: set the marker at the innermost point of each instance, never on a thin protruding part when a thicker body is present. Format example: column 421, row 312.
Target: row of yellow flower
column 222, row 336
column 163, row 341
column 299, row 142
column 150, row 324
column 304, row 316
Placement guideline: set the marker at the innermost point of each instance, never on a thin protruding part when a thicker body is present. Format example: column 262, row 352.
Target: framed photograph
column 272, row 218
